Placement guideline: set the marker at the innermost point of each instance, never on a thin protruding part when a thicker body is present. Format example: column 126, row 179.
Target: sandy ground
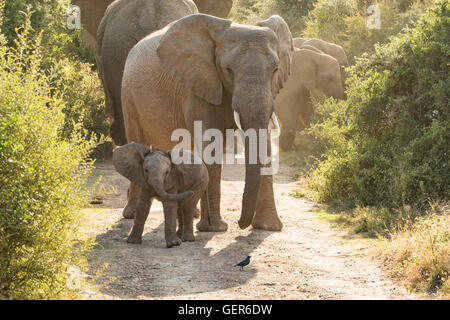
column 306, row 260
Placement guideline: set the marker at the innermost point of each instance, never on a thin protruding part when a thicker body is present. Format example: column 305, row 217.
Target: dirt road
column 307, row 260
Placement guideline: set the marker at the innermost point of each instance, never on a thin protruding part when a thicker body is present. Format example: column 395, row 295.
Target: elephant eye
column 229, row 70
column 275, row 71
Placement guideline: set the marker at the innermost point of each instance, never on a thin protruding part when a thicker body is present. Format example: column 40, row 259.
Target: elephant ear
column 285, row 50
column 187, row 53
column 128, row 161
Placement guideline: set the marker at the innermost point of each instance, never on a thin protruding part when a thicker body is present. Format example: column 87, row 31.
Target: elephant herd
column 164, row 66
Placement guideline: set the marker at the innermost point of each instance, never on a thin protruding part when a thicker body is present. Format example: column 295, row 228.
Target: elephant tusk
column 275, row 122
column 237, row 120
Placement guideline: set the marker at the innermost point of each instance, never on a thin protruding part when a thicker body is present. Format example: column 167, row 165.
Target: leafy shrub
column 50, row 17
column 387, row 144
column 69, row 62
column 82, row 92
column 41, row 178
column 344, row 22
column 294, row 12
column 419, row 254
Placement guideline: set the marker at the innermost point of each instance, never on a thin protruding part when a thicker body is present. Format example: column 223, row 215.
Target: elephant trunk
column 158, row 185
column 251, row 191
column 253, row 117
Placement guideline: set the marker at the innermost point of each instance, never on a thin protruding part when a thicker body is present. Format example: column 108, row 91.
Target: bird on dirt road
column 243, row 263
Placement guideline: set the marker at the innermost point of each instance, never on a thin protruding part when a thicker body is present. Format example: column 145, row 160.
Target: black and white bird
column 243, row 263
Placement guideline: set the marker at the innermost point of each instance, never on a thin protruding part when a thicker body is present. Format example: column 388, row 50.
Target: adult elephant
column 311, row 70
column 117, row 29
column 125, row 23
column 203, row 68
column 301, row 113
column 92, row 12
column 334, row 50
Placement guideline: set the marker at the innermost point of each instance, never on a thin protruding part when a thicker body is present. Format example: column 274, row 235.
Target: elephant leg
column 134, row 133
column 266, row 216
column 306, row 115
column 210, row 219
column 188, row 223
column 170, row 223
column 290, row 126
column 142, row 210
column 117, row 127
column 133, row 197
column 180, row 222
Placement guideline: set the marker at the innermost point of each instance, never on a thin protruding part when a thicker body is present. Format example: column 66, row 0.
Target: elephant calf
column 158, row 174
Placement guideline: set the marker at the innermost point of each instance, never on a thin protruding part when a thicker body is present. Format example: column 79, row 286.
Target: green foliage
column 41, row 179
column 82, row 92
column 251, row 11
column 67, row 60
column 388, row 143
column 293, row 11
column 49, row 16
column 344, row 22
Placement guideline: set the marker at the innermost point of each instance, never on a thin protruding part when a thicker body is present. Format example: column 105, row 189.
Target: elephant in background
column 334, row 50
column 125, row 23
column 92, row 12
column 311, row 70
column 296, row 116
column 179, row 186
column 203, row 68
column 128, row 22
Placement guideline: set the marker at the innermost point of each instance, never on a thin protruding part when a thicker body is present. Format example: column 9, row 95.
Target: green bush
column 68, row 61
column 82, row 92
column 344, row 22
column 388, row 143
column 294, row 12
column 49, row 16
column 41, row 178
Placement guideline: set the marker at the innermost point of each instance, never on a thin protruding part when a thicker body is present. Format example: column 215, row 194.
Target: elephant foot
column 267, row 222
column 217, row 225
column 188, row 238
column 129, row 211
column 134, row 238
column 173, row 242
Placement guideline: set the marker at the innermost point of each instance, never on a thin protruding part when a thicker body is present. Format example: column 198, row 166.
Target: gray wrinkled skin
column 178, row 186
